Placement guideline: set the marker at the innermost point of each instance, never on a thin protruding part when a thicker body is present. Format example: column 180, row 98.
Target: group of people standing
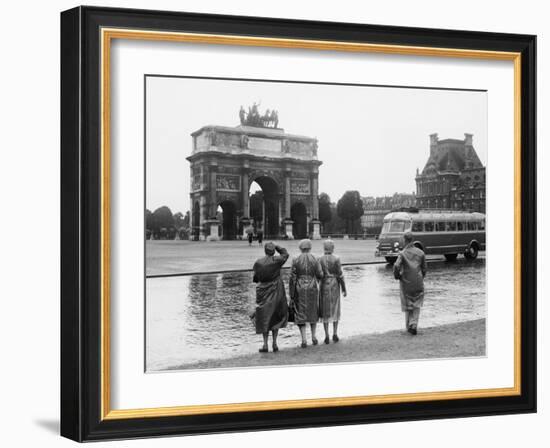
column 315, row 287
column 250, row 235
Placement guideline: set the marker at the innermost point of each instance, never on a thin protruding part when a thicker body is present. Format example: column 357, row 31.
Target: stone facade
column 453, row 178
column 375, row 208
column 224, row 163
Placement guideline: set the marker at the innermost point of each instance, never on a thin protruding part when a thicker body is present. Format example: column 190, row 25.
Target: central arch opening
column 264, row 206
column 298, row 214
column 227, row 212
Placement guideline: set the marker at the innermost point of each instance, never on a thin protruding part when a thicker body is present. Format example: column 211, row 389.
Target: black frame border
column 81, row 223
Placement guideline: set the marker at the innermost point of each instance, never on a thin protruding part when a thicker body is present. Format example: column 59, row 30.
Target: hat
column 328, row 246
column 305, row 244
column 269, row 248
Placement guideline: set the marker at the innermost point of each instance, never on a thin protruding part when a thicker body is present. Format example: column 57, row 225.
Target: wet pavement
column 169, row 257
column 197, row 317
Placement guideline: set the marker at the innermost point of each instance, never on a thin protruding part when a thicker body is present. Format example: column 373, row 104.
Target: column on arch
column 316, row 224
column 287, row 219
column 213, row 198
column 315, row 195
column 244, row 192
column 287, row 195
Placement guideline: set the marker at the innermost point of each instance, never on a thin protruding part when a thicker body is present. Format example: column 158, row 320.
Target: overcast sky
column 371, row 139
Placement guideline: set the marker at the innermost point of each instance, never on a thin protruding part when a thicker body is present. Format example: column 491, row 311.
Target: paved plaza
column 170, row 257
column 184, row 257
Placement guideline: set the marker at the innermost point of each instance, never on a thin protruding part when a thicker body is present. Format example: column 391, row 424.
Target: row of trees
column 162, row 224
column 342, row 217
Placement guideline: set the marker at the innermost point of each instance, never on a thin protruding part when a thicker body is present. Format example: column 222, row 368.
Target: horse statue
column 253, row 117
column 242, row 115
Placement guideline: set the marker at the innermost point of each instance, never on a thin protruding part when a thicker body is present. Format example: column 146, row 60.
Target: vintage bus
column 435, row 232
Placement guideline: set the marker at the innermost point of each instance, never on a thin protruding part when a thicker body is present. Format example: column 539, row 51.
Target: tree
column 336, row 226
column 350, row 207
column 148, row 219
column 325, row 212
column 162, row 219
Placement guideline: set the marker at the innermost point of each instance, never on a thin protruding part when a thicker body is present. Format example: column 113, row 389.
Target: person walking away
column 271, row 305
column 250, row 234
column 304, row 290
column 260, row 235
column 331, row 284
column 410, row 270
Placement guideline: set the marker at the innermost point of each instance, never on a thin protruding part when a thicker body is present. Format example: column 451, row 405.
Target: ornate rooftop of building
column 451, row 155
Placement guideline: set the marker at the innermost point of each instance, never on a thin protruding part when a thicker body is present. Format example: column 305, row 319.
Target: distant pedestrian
column 271, row 306
column 331, row 284
column 250, row 234
column 410, row 270
column 260, row 235
column 304, row 290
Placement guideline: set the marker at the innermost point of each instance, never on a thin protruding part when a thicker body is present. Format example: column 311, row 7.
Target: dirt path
column 464, row 339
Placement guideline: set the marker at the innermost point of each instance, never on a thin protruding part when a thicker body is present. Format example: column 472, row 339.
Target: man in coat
column 410, row 270
column 271, row 306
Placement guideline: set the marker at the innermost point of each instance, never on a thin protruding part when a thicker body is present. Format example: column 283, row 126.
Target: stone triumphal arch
column 225, row 161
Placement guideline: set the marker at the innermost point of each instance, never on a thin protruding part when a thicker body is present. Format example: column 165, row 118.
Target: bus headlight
column 396, row 246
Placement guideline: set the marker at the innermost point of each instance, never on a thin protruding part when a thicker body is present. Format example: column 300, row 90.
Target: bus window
column 440, row 226
column 481, row 225
column 385, row 227
column 417, row 226
column 460, row 226
column 399, row 226
column 428, row 226
column 451, row 226
column 472, row 226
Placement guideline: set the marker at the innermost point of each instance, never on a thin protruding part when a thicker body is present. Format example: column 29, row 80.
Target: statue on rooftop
column 242, row 115
column 270, row 119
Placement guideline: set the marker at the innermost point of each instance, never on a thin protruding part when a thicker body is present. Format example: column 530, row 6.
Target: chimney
column 468, row 139
column 433, row 144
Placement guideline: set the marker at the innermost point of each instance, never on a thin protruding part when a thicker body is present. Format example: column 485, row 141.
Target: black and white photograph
column 264, row 224
column 294, row 223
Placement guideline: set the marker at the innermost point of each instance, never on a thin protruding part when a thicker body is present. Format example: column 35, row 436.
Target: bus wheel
column 471, row 253
column 451, row 257
column 391, row 260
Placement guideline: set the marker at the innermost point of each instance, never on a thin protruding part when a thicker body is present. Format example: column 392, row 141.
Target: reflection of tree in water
column 202, row 288
column 220, row 304
column 456, row 278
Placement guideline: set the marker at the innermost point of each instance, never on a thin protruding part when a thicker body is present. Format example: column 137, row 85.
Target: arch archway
column 225, row 161
column 298, row 214
column 264, row 205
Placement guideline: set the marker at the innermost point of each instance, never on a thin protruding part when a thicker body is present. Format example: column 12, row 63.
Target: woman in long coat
column 304, row 290
column 271, row 307
column 332, row 282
